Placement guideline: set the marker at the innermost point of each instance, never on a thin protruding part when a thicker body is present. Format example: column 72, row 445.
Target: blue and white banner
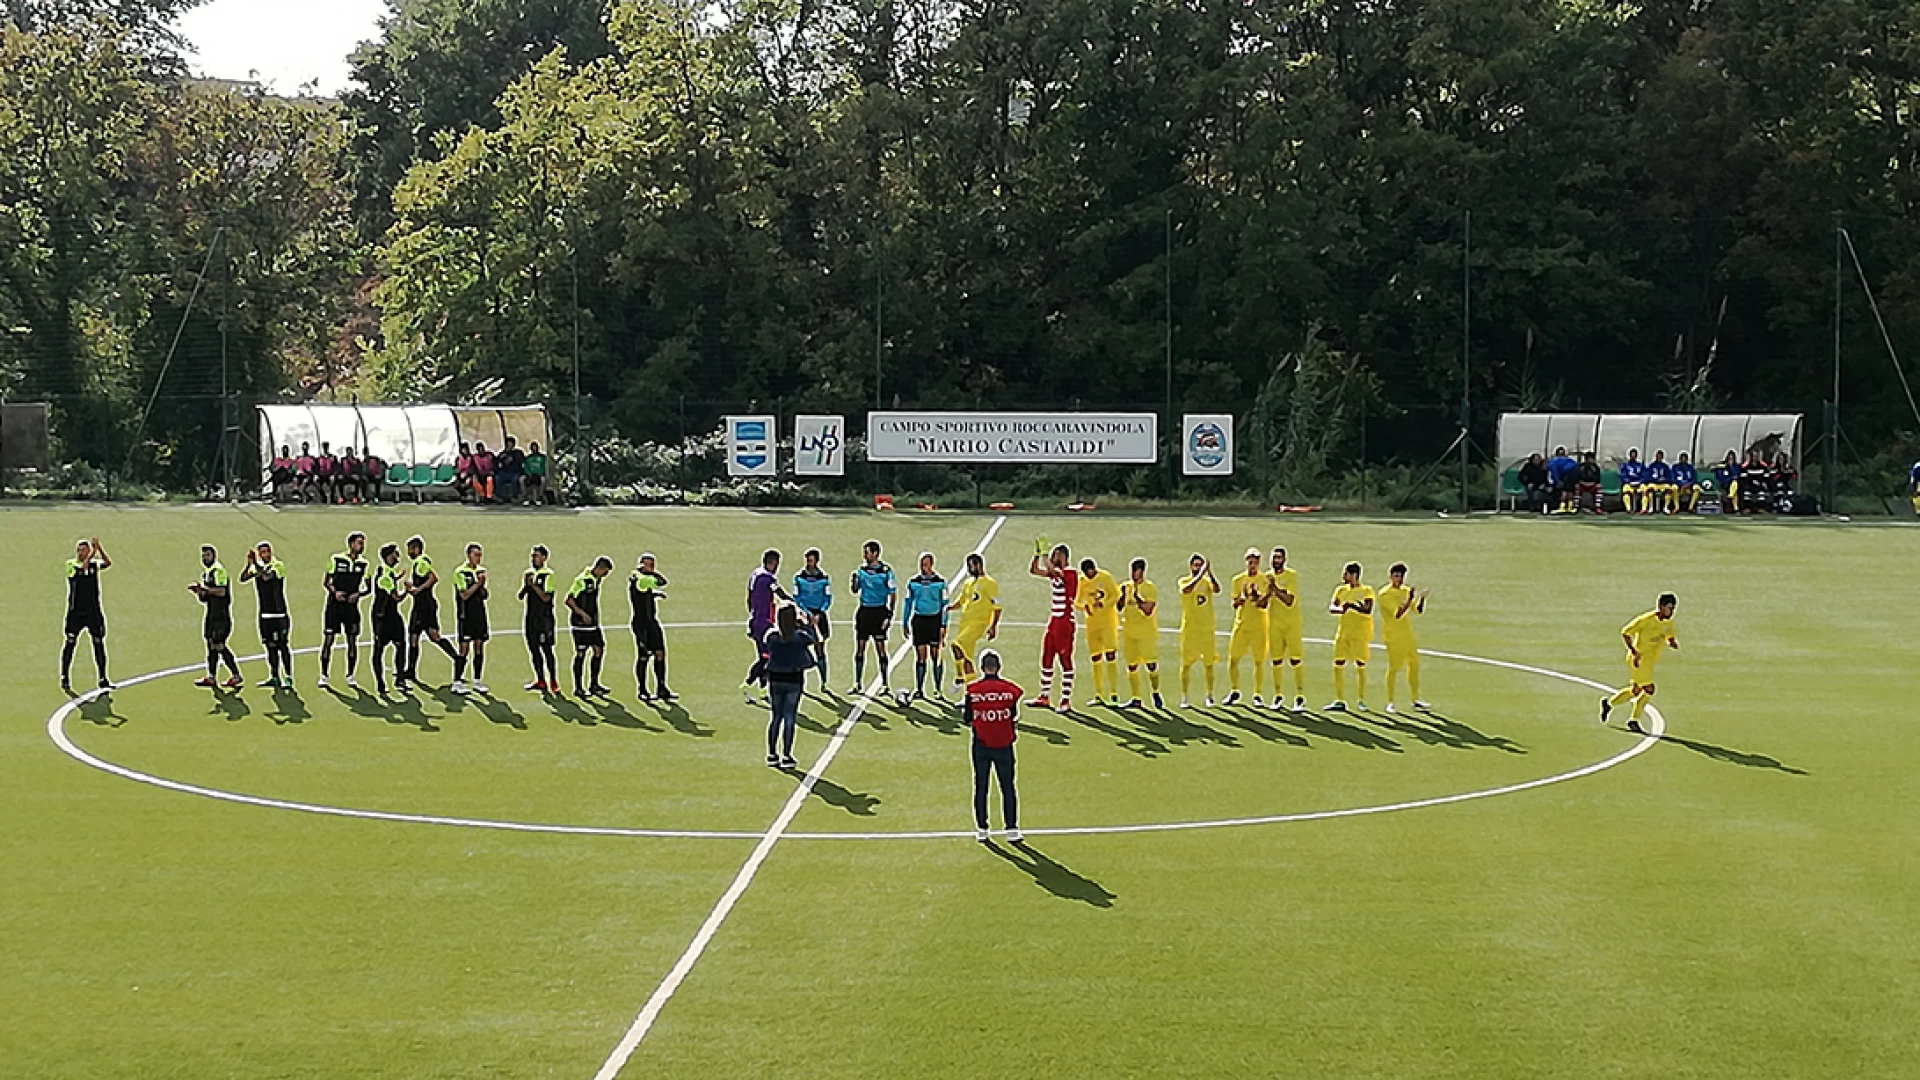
column 750, row 449
column 820, row 446
column 1206, row 444
column 988, row 438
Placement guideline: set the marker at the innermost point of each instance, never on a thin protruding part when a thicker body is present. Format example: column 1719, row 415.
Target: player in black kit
column 214, row 590
column 470, row 610
column 389, row 628
column 536, row 588
column 346, row 583
column 83, row 609
column 646, row 587
column 425, row 616
column 269, row 577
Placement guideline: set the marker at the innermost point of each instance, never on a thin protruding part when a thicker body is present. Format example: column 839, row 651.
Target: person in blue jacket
column 1913, row 486
column 1633, row 481
column 1727, row 476
column 1659, row 491
column 1686, row 486
column 926, row 624
column 1560, row 470
column 813, row 594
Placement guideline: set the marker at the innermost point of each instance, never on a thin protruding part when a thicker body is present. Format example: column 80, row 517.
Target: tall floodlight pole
column 581, row 452
column 1830, row 488
column 1466, row 348
column 1167, row 338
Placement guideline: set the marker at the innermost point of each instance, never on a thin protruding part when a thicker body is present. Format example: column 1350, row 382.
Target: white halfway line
column 683, row 966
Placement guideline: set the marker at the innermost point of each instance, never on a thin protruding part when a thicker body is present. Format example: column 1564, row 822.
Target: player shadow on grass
column 858, row 803
column 1132, row 742
column 400, row 709
column 288, row 708
column 499, row 712
column 1176, row 730
column 99, row 712
column 1442, row 731
column 614, row 714
column 943, row 719
column 1052, row 876
column 681, row 720
column 1328, row 728
column 1248, row 723
column 232, row 706
column 1734, row 757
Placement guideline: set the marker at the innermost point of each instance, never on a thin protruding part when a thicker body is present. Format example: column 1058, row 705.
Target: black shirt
column 1533, row 474
column 83, row 587
column 1588, row 472
column 346, row 574
column 643, row 592
column 220, row 606
column 273, row 589
column 539, row 612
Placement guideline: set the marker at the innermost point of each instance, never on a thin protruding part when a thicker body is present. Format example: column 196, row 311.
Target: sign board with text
column 1008, row 438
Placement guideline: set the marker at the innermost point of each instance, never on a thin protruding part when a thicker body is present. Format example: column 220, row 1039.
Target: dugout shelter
column 1705, row 436
column 418, row 442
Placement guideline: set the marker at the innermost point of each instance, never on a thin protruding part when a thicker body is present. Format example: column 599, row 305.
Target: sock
column 1066, row 684
column 597, row 658
column 409, row 659
column 919, row 676
column 880, row 654
column 1360, row 674
column 1639, row 705
column 821, row 660
column 1413, row 679
column 1299, row 678
column 579, row 658
column 939, row 670
column 1233, row 675
column 100, row 658
column 640, row 672
column 233, row 662
column 326, row 657
column 1133, row 682
column 353, row 657
column 1339, row 683
column 459, row 667
column 660, row 671
column 860, row 667
column 1046, row 684
column 1621, row 696
column 1210, row 668
column 213, row 663
column 273, row 663
column 479, row 664
column 447, row 647
column 1186, row 681
column 1153, row 679
column 1259, row 678
column 66, row 659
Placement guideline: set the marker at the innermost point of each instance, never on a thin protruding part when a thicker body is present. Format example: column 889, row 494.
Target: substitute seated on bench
column 1539, row 487
column 1686, row 486
column 1633, row 481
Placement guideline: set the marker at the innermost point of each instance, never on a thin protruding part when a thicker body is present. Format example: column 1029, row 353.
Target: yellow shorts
column 1642, row 672
column 1401, row 653
column 1283, row 641
column 1102, row 637
column 966, row 636
column 1199, row 649
column 1350, row 647
column 1248, row 640
column 1137, row 649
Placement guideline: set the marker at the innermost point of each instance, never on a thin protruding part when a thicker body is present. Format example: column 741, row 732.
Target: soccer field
column 466, row 887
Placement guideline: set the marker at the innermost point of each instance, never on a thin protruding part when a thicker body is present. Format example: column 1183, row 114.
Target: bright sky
column 284, row 44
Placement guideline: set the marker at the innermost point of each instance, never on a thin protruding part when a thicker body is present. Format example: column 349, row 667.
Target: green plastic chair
column 422, row 475
column 397, row 475
column 444, row 475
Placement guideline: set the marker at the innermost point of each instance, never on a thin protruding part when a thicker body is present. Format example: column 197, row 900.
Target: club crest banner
column 750, row 446
column 1206, row 444
column 1006, row 438
column 820, row 446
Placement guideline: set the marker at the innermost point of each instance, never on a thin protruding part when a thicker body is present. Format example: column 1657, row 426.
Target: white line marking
column 664, row 992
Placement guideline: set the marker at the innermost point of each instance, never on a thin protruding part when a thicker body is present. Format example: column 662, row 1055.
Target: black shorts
column 649, row 637
column 425, row 616
column 871, row 622
column 93, row 622
column 538, row 631
column 275, row 631
column 926, row 629
column 389, row 628
column 341, row 618
column 822, row 626
column 473, row 626
column 588, row 637
column 217, row 631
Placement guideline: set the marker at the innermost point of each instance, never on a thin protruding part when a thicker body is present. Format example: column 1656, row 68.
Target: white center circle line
column 56, row 731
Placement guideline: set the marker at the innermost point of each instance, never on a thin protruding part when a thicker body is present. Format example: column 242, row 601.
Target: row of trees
column 833, row 202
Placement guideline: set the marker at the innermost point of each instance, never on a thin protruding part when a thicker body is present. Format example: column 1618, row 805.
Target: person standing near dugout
column 990, row 708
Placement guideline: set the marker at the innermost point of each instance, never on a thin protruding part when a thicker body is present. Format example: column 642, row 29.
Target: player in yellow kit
column 1284, row 645
column 1140, row 631
column 1353, row 605
column 1199, row 595
column 978, row 602
column 1249, row 640
column 1398, row 604
column 1645, row 637
column 1099, row 598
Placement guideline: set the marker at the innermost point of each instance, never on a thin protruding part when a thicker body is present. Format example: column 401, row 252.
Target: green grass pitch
column 1739, row 900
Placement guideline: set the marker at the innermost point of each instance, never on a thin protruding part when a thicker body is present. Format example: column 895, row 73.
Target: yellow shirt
column 979, row 600
column 1099, row 597
column 1139, row 623
column 1288, row 579
column 1395, row 627
column 1196, row 606
column 1249, row 589
column 1354, row 623
column 1649, row 633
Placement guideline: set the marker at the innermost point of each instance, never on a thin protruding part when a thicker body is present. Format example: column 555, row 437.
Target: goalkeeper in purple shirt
column 763, row 588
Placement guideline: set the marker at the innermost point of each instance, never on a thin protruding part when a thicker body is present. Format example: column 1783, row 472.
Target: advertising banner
column 750, row 446
column 820, row 446
column 1206, row 444
column 1006, row 438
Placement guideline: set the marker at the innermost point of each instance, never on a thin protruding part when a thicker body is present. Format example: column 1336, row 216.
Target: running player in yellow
column 978, row 602
column 1140, row 631
column 1284, row 631
column 1099, row 598
column 1645, row 637
column 1199, row 595
column 1249, row 640
column 1353, row 604
column 1398, row 604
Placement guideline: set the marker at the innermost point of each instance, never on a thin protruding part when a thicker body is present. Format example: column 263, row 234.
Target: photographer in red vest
column 991, row 704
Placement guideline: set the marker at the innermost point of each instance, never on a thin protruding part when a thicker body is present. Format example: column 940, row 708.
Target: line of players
column 1122, row 624
column 394, row 584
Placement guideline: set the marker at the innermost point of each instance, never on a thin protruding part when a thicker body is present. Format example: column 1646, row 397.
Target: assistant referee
column 990, row 706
